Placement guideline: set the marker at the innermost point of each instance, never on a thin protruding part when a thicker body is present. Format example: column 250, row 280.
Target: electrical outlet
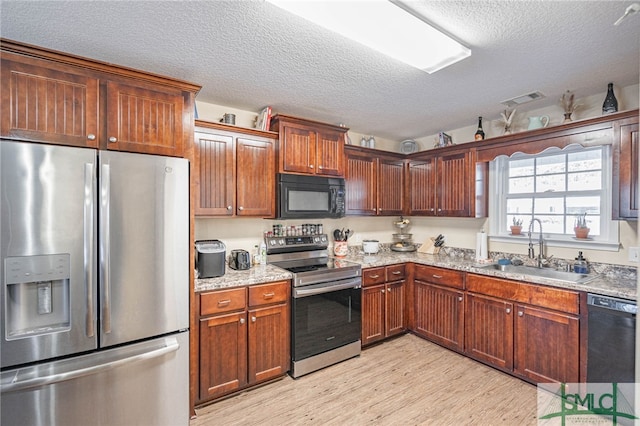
column 633, row 254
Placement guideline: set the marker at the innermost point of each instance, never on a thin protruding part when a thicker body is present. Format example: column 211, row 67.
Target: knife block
column 429, row 247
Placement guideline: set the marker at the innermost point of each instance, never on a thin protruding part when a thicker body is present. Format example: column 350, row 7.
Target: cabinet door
column 422, row 182
column 144, row 120
column 454, row 185
column 223, row 354
column 439, row 314
column 546, row 345
column 214, row 168
column 46, row 105
column 330, row 153
column 361, row 184
column 269, row 354
column 627, row 191
column 255, row 177
column 297, row 149
column 390, row 187
column 373, row 314
column 394, row 309
column 489, row 330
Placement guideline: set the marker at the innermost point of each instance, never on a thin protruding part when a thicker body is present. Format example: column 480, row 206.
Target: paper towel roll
column 481, row 246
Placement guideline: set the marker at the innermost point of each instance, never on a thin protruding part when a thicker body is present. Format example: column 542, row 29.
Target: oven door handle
column 305, row 292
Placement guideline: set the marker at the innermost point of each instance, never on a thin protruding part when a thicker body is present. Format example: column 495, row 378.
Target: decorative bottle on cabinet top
column 479, row 133
column 610, row 104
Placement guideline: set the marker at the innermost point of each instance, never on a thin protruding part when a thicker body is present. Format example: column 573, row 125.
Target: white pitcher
column 538, row 122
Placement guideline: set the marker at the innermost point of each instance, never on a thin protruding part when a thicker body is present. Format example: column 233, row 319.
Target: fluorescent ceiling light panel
column 382, row 26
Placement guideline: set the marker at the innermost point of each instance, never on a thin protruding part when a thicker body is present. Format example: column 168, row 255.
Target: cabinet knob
column 459, row 298
column 373, row 209
column 91, row 137
column 382, row 291
column 311, row 166
column 113, row 139
column 432, row 209
column 379, row 209
column 320, row 167
column 240, row 208
column 520, row 313
column 508, row 310
column 253, row 319
column 229, row 208
column 389, row 290
column 439, row 210
column 241, row 320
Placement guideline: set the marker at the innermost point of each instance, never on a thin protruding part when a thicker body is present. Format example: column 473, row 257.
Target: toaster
column 210, row 258
column 240, row 260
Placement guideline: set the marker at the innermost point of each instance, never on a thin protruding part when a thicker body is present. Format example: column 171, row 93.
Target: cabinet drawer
column 373, row 276
column 532, row 294
column 222, row 301
column 396, row 272
column 446, row 277
column 265, row 294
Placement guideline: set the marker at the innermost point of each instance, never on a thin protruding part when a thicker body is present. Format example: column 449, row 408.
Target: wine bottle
column 610, row 102
column 479, row 133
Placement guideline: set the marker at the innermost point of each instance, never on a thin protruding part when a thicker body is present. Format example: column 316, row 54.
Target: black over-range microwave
column 308, row 197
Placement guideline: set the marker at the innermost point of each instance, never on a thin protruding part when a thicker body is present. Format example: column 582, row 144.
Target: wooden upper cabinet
column 255, row 177
column 445, row 185
column 144, row 120
column 214, row 173
column 374, row 183
column 625, row 171
column 309, row 147
column 45, row 105
column 54, row 97
column 234, row 171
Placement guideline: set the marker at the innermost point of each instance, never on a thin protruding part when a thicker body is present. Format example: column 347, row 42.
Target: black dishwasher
column 611, row 339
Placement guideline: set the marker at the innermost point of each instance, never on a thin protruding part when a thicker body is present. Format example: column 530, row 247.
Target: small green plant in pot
column 580, row 228
column 516, row 227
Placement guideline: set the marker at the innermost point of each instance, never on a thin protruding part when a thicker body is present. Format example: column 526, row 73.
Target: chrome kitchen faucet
column 540, row 242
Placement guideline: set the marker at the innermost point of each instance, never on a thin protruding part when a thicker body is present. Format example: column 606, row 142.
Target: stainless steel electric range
column 326, row 306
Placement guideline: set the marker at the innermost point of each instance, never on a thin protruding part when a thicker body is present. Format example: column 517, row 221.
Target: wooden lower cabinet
column 529, row 330
column 439, row 306
column 383, row 303
column 244, row 338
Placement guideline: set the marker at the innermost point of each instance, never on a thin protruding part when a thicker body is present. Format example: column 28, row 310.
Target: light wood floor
column 405, row 381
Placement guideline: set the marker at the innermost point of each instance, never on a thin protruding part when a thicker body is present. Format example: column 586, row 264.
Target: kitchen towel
column 481, row 246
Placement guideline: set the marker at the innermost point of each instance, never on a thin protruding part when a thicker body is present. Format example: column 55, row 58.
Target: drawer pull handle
column 437, row 276
column 269, row 295
column 374, row 276
column 396, row 272
column 224, row 302
column 508, row 310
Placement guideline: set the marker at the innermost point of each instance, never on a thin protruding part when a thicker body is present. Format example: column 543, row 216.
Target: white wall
column 245, row 233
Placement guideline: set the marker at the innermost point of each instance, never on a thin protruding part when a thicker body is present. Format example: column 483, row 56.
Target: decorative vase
column 515, row 230
column 340, row 248
column 582, row 233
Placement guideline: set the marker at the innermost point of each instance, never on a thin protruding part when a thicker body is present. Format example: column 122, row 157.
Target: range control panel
column 298, row 243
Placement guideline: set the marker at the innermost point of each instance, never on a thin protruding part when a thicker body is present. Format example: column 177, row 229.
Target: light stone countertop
column 617, row 283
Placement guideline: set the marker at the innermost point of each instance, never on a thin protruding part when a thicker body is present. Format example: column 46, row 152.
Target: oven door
column 325, row 317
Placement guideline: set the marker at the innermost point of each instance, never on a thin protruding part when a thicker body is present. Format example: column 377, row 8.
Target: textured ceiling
column 248, row 54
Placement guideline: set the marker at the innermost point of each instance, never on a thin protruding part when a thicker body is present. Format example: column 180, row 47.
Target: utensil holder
column 340, row 248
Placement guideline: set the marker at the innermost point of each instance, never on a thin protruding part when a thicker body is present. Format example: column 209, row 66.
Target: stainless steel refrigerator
column 94, row 296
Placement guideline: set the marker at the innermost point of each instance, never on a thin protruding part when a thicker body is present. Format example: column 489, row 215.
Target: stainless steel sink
column 548, row 273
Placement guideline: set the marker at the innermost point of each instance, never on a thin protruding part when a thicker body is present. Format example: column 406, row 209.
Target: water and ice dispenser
column 36, row 295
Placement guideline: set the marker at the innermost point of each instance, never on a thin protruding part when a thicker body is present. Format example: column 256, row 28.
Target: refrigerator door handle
column 105, row 237
column 170, row 344
column 89, row 206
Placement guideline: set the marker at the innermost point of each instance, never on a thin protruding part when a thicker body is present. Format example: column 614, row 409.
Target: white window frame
column 609, row 238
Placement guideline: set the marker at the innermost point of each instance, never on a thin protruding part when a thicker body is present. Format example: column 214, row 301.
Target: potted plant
column 580, row 228
column 516, row 227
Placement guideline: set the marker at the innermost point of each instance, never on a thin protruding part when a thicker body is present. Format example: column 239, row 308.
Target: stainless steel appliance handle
column 105, row 238
column 170, row 345
column 89, row 206
column 328, row 288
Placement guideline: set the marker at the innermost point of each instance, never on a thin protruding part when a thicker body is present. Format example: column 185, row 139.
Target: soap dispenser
column 580, row 265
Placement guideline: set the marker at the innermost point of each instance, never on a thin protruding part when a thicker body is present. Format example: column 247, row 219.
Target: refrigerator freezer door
column 144, row 246
column 140, row 384
column 47, row 251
